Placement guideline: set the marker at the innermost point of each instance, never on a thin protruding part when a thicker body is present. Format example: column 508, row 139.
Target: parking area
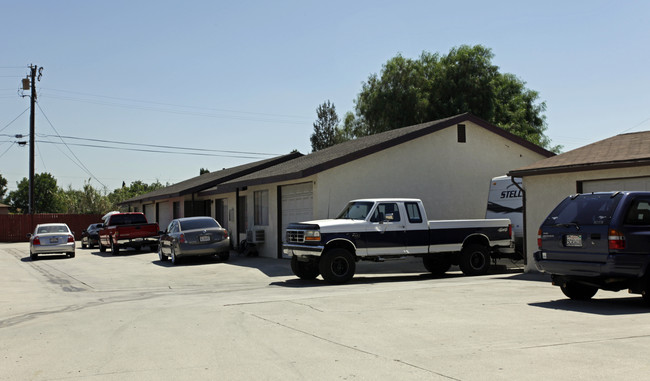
column 105, row 317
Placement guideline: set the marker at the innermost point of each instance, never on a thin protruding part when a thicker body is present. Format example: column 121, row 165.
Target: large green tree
column 86, row 201
column 412, row 91
column 46, row 195
column 135, row 189
column 325, row 127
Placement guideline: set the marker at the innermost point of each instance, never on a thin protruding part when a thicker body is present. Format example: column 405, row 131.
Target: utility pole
column 33, row 69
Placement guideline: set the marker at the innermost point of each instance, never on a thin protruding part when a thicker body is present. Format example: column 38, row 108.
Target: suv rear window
column 584, row 209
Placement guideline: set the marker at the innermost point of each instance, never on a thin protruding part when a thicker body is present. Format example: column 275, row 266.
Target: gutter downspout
column 523, row 204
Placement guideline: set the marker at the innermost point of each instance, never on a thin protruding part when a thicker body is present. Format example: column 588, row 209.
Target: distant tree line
column 50, row 198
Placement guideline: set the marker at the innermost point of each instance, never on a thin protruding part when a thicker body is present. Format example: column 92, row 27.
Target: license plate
column 54, row 240
column 204, row 238
column 574, row 240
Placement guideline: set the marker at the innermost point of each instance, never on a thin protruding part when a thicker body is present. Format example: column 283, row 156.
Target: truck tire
column 437, row 264
column 474, row 260
column 115, row 249
column 578, row 291
column 337, row 266
column 304, row 270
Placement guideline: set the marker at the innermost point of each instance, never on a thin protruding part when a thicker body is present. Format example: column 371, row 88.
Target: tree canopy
column 413, row 91
column 3, row 187
column 46, row 198
column 325, row 127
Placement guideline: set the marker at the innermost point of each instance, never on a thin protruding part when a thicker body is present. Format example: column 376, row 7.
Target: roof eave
column 579, row 167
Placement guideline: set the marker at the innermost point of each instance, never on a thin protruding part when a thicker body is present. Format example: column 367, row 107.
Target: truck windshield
column 356, row 210
column 587, row 209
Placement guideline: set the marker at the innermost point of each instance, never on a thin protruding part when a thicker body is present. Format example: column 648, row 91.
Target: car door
column 387, row 232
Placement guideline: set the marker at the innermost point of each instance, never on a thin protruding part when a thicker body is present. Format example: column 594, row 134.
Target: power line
column 16, row 118
column 162, row 146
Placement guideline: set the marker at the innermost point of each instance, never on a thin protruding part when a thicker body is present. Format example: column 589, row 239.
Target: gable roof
column 625, row 150
column 210, row 179
column 354, row 149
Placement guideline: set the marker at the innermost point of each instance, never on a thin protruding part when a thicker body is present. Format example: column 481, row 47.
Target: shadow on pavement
column 605, row 306
column 45, row 257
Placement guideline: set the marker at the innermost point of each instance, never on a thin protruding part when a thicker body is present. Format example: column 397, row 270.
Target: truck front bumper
column 301, row 250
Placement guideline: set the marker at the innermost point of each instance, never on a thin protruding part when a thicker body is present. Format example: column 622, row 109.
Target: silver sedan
column 194, row 236
column 51, row 239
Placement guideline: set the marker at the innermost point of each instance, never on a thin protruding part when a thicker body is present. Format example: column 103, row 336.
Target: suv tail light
column 539, row 239
column 616, row 240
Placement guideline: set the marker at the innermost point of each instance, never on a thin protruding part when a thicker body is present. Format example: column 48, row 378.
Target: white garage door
column 164, row 214
column 150, row 212
column 297, row 204
column 629, row 184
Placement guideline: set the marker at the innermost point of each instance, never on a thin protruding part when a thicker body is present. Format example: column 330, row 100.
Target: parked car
column 90, row 236
column 193, row 236
column 597, row 241
column 51, row 239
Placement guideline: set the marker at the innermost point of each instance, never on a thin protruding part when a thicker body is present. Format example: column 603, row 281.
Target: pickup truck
column 597, row 241
column 122, row 230
column 383, row 229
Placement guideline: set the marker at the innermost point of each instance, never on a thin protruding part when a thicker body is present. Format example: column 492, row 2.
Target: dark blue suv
column 597, row 241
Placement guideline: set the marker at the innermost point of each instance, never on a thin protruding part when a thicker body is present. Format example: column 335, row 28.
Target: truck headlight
column 312, row 235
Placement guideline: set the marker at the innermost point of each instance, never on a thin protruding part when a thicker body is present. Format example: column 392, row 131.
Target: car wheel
column 305, row 270
column 224, row 256
column 115, row 249
column 161, row 256
column 337, row 266
column 474, row 260
column 71, row 255
column 102, row 248
column 174, row 258
column 83, row 245
column 33, row 256
column 437, row 264
column 578, row 291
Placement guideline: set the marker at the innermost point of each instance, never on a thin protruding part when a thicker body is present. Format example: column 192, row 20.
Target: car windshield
column 357, row 210
column 199, row 223
column 587, row 209
column 52, row 229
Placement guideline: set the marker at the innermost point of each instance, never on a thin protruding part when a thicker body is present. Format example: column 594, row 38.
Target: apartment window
column 261, row 206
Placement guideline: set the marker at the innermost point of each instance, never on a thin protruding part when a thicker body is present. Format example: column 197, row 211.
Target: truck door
column 417, row 229
column 387, row 233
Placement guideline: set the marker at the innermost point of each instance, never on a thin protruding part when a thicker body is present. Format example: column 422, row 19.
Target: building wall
column 451, row 178
column 544, row 192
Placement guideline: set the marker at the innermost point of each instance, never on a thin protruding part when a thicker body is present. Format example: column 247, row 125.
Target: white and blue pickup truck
column 383, row 229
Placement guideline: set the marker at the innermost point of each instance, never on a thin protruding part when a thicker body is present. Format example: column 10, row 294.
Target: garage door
column 297, row 204
column 164, row 214
column 150, row 212
column 628, row 184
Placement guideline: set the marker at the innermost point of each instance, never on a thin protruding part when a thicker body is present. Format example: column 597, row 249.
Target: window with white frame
column 261, row 206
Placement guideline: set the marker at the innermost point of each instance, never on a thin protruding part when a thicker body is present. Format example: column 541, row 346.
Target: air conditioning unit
column 255, row 236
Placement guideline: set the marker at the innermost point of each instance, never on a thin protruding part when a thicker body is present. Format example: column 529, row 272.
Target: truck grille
column 295, row 236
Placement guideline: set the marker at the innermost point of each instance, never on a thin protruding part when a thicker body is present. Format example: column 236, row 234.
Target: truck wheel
column 337, row 266
column 115, row 249
column 578, row 291
column 102, row 248
column 474, row 260
column 436, row 264
column 304, row 270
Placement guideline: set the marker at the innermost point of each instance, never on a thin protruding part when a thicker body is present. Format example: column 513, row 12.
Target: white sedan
column 51, row 239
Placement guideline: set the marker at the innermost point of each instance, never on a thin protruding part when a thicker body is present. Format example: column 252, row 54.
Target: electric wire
column 72, row 152
column 16, row 118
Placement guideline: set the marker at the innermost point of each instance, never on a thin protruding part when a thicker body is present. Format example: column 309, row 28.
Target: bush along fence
column 15, row 227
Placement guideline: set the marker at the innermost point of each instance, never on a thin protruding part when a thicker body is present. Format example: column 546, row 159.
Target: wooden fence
column 15, row 227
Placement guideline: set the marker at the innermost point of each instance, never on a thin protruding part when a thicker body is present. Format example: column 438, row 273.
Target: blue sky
column 242, row 80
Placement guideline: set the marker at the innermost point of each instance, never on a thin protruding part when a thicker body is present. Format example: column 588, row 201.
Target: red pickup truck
column 122, row 230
